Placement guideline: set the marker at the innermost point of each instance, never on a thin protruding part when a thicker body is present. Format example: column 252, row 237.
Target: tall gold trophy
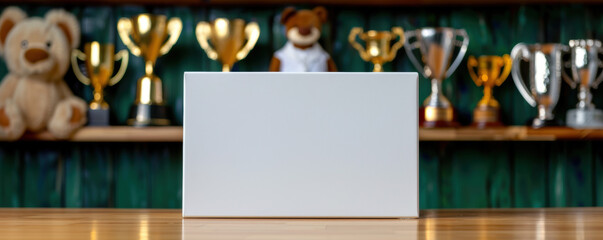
column 228, row 40
column 99, row 60
column 145, row 35
column 487, row 111
column 377, row 49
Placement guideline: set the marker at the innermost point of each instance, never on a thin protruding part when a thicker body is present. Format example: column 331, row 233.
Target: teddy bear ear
column 287, row 13
column 321, row 12
column 8, row 20
column 67, row 23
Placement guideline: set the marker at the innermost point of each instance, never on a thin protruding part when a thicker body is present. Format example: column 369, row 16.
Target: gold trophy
column 487, row 111
column 228, row 40
column 145, row 35
column 377, row 43
column 99, row 59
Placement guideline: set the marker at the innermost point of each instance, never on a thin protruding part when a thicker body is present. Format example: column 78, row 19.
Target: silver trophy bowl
column 584, row 65
column 436, row 49
column 544, row 78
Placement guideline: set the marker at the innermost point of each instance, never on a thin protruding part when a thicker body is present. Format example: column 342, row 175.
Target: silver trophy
column 436, row 47
column 544, row 78
column 584, row 64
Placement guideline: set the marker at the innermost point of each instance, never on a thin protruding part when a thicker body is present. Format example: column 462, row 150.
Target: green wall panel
column 429, row 177
column 346, row 58
column 10, row 177
column 452, row 174
column 530, row 174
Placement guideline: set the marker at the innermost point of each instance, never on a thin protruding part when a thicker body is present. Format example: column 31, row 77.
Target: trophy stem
column 487, row 92
column 544, row 113
column 437, row 110
column 486, row 113
column 226, row 68
column 148, row 67
column 436, row 85
column 584, row 98
column 436, row 98
column 98, row 102
column 545, row 118
column 378, row 67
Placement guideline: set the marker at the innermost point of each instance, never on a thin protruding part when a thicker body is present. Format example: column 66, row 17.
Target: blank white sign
column 300, row 145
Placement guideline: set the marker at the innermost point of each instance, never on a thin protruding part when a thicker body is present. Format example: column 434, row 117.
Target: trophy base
column 143, row 115
column 539, row 123
column 585, row 118
column 98, row 117
column 444, row 117
column 486, row 116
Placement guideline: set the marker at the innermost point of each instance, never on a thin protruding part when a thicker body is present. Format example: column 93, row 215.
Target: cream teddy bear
column 33, row 95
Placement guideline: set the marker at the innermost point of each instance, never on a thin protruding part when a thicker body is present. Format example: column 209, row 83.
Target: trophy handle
column 75, row 55
column 252, row 33
column 471, row 64
column 203, row 32
column 352, row 39
column 600, row 77
column 394, row 50
column 463, row 44
column 174, row 28
column 566, row 77
column 508, row 62
column 124, row 56
column 409, row 46
column 124, row 27
column 518, row 54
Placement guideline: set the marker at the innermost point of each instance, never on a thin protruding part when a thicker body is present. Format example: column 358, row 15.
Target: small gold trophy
column 145, row 35
column 99, row 59
column 227, row 38
column 377, row 43
column 487, row 111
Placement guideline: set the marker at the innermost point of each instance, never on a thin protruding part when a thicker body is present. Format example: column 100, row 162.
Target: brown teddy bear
column 33, row 95
column 302, row 53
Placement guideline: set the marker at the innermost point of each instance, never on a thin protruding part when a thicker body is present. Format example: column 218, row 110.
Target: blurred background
column 453, row 174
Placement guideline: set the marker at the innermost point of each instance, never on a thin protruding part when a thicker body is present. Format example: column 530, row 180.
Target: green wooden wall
column 452, row 174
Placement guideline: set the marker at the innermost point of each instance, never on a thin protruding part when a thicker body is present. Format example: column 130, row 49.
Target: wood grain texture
column 117, row 134
column 559, row 223
column 174, row 134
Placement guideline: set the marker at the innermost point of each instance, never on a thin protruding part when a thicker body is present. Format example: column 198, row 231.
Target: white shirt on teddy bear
column 313, row 59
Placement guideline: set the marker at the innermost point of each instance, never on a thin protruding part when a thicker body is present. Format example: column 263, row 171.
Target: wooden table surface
column 554, row 223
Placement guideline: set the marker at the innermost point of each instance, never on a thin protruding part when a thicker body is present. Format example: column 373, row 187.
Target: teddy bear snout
column 304, row 31
column 35, row 55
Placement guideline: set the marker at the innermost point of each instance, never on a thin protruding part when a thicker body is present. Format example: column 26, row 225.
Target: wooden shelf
column 511, row 133
column 470, row 134
column 174, row 134
column 116, row 134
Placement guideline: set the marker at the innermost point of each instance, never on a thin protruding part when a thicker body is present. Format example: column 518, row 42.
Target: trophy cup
column 487, row 111
column 99, row 59
column 584, row 64
column 544, row 78
column 377, row 48
column 436, row 47
column 227, row 38
column 145, row 35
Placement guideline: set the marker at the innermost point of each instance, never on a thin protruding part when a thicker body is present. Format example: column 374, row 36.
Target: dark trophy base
column 437, row 123
column 98, row 117
column 486, row 117
column 143, row 115
column 538, row 123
